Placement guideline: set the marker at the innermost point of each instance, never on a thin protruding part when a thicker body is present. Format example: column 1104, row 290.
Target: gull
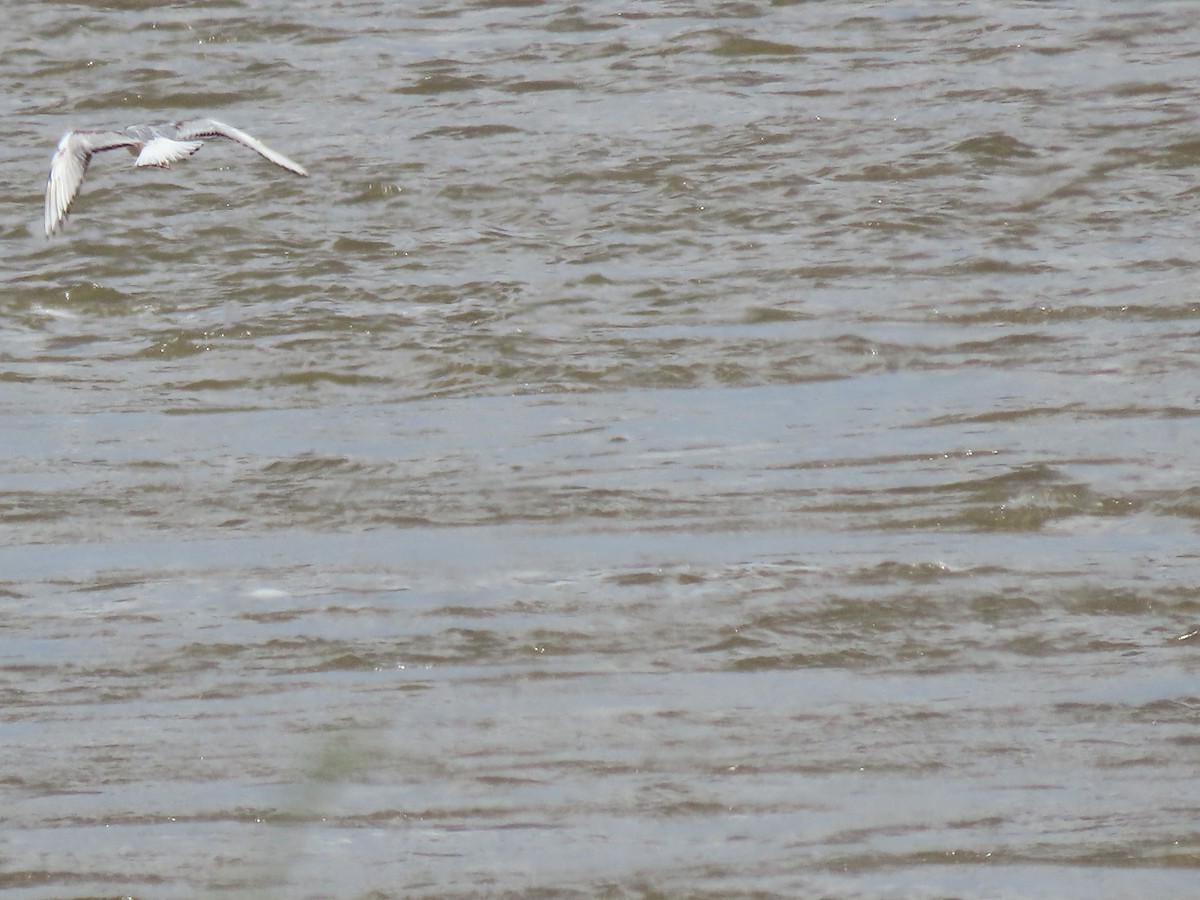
column 157, row 145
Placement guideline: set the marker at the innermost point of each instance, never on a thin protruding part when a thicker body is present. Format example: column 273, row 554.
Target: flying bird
column 155, row 145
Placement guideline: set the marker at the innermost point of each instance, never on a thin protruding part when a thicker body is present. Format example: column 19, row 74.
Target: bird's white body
column 155, row 145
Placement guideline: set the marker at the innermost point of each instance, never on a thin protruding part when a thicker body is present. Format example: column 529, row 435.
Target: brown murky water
column 662, row 451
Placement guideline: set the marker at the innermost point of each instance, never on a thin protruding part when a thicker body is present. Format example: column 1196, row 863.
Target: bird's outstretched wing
column 208, row 128
column 162, row 152
column 70, row 161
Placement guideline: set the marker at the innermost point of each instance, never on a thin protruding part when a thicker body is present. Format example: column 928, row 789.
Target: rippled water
column 664, row 450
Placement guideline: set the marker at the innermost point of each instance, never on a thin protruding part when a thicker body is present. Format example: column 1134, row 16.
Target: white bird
column 156, row 145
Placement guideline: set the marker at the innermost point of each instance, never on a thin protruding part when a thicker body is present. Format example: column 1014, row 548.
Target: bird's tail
column 161, row 152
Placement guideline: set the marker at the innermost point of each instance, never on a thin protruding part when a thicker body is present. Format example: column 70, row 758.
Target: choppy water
column 664, row 450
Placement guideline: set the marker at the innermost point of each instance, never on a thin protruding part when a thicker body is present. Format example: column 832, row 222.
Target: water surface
column 663, row 450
